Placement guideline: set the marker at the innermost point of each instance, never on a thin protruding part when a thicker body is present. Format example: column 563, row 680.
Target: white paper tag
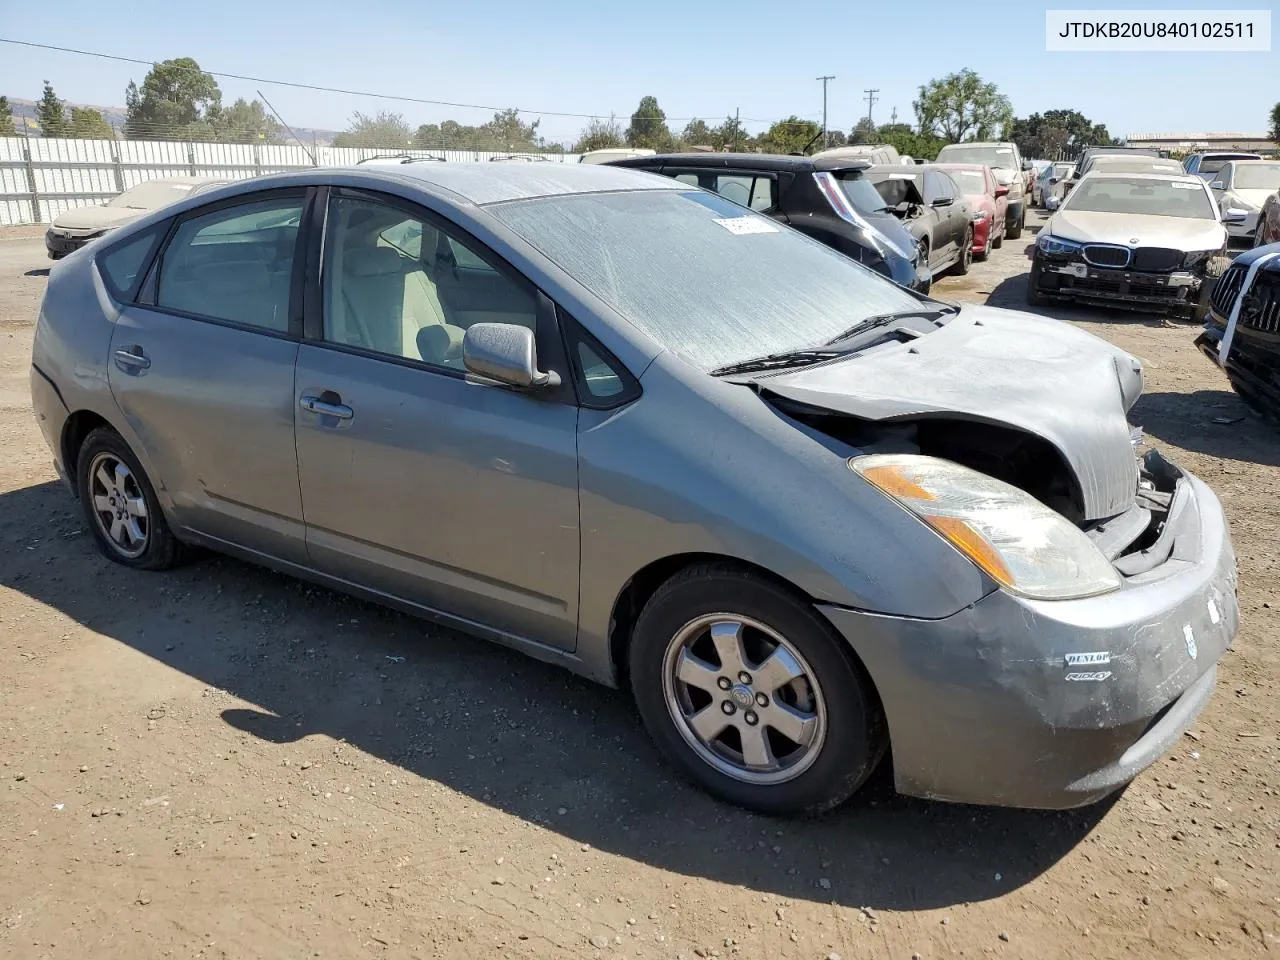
column 1184, row 186
column 744, row 225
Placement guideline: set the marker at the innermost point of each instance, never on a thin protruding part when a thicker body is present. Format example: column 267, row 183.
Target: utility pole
column 737, row 124
column 824, row 80
column 893, row 117
column 871, row 99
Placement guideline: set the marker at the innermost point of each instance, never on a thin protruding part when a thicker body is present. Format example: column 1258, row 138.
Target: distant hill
column 25, row 111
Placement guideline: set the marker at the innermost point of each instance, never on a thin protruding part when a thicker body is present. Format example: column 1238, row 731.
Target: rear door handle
column 326, row 409
column 132, row 359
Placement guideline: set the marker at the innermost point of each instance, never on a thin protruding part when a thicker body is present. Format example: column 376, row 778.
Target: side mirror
column 506, row 353
column 1235, row 215
column 1054, row 179
column 941, row 202
column 1002, row 190
column 1217, row 185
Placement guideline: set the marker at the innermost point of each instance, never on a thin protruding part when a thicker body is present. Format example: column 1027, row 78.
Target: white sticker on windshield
column 1184, row 186
column 1001, row 151
column 744, row 225
column 902, row 176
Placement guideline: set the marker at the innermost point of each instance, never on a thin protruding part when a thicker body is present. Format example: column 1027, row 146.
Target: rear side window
column 122, row 266
column 235, row 264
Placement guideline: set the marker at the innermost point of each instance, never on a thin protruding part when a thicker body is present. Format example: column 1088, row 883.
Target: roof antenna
column 289, row 128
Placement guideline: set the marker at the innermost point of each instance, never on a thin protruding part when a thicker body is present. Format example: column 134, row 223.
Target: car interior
column 395, row 284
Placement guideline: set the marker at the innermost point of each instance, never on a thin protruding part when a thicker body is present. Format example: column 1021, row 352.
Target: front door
column 457, row 496
column 202, row 369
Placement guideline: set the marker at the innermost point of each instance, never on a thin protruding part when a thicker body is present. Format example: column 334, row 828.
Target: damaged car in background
column 1243, row 188
column 808, row 518
column 1140, row 241
column 1242, row 334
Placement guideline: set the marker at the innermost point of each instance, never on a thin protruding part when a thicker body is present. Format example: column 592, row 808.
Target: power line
column 298, row 85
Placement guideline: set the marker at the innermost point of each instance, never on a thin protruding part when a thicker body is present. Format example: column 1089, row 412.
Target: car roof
column 914, row 169
column 982, row 143
column 184, row 178
column 750, row 161
column 482, row 183
column 1170, row 176
column 977, row 167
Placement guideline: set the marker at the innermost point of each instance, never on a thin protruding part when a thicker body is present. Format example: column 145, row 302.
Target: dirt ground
column 222, row 762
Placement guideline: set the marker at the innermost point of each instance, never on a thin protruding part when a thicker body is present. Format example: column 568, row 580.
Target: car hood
column 1038, row 375
column 95, row 218
column 1255, row 197
column 1134, row 230
column 892, row 227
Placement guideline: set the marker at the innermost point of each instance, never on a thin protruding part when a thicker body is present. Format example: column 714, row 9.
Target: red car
column 990, row 203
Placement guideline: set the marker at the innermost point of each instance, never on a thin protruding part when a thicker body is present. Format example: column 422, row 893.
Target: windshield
column 1257, row 176
column 712, row 282
column 864, row 197
column 151, row 195
column 970, row 181
column 1133, row 195
column 991, row 156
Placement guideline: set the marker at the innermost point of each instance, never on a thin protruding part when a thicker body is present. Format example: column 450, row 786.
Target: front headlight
column 1014, row 538
column 1055, row 247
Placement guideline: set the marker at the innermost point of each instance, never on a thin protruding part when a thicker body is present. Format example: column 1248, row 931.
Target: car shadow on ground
column 1213, row 422
column 526, row 738
column 1011, row 293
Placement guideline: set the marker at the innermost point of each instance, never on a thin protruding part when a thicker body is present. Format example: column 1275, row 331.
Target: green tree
column 903, row 138
column 386, row 129
column 89, row 124
column 730, row 135
column 649, row 126
column 864, row 131
column 599, row 135
column 696, row 133
column 1056, row 132
column 52, row 114
column 960, row 106
column 506, row 131
column 791, row 135
column 245, row 121
column 177, row 101
column 1273, row 133
column 7, row 128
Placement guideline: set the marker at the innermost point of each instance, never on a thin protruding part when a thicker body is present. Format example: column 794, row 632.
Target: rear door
column 753, row 189
column 202, row 369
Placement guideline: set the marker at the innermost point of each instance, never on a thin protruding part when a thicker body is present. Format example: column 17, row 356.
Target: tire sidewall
column 160, row 545
column 854, row 740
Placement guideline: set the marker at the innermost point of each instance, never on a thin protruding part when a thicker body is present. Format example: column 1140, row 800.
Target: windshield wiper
column 776, row 361
column 884, row 319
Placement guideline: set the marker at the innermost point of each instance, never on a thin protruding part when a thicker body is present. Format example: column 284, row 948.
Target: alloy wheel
column 744, row 699
column 119, row 506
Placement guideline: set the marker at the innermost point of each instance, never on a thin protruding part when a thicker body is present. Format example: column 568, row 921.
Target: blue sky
column 700, row 60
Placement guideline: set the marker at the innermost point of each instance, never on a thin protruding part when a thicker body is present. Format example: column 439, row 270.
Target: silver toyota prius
column 805, row 516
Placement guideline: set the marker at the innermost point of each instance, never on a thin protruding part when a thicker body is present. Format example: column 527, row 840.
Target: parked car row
column 74, row 228
column 670, row 439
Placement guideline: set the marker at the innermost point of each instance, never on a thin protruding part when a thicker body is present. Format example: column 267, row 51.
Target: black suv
column 1242, row 334
column 826, row 198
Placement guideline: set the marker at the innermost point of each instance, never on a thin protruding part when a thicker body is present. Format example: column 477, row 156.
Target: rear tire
column 120, row 505
column 997, row 241
column 707, row 656
column 966, row 254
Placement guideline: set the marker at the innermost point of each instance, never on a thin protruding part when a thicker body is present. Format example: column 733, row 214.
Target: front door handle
column 132, row 359
column 326, row 409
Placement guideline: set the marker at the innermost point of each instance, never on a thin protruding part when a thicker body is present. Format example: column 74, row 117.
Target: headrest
column 440, row 342
column 374, row 261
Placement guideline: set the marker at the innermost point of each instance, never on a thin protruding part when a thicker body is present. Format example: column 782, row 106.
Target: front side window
column 397, row 284
column 1140, row 195
column 712, row 282
column 235, row 264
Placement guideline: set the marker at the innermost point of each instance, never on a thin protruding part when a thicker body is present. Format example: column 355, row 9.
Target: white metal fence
column 40, row 178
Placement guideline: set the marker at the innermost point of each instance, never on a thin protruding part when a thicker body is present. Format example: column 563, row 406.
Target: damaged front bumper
column 1055, row 704
column 1115, row 286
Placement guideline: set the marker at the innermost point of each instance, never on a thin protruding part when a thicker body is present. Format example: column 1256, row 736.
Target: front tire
column 1034, row 297
column 1014, row 230
column 120, row 504
column 752, row 695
